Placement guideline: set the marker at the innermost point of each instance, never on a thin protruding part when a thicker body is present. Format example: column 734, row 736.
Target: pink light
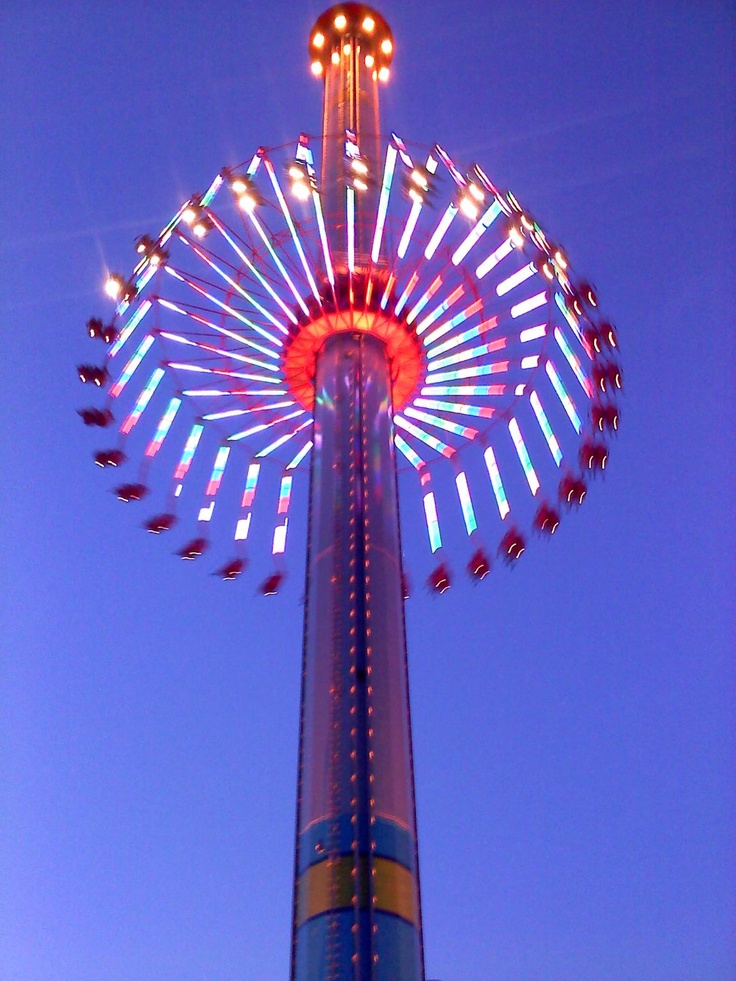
column 130, row 368
column 440, row 309
column 455, row 321
column 433, row 420
column 407, row 292
column 496, row 367
column 250, row 485
column 163, row 427
column 425, row 437
column 285, row 494
column 464, row 390
column 461, row 408
column 142, row 401
column 469, row 354
column 217, row 471
column 189, row 448
column 424, row 299
column 466, row 335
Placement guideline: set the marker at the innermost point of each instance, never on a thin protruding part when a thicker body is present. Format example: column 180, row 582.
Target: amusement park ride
column 349, row 306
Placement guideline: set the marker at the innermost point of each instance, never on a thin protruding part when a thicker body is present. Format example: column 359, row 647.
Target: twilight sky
column 573, row 719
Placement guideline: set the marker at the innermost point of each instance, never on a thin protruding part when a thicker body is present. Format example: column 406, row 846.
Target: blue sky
column 573, row 718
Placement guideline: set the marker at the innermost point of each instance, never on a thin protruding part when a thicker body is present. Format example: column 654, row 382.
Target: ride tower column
column 357, row 911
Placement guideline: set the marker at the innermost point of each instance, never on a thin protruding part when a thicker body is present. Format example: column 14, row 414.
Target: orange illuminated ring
column 403, row 350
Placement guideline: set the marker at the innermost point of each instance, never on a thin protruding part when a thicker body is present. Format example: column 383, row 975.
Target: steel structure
column 392, row 307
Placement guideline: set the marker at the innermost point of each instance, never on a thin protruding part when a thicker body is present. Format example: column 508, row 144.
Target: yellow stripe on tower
column 329, row 885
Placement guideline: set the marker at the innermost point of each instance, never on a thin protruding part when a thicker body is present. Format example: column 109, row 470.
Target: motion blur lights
column 527, row 222
column 96, row 417
column 547, row 270
column 609, row 335
column 479, row 565
column 270, row 586
column 160, row 523
column 439, row 580
column 476, row 192
column 546, row 520
column 572, row 490
column 594, row 456
column 512, row 545
column 99, row 331
column 516, row 237
column 197, row 220
column 539, row 238
column 604, row 417
column 607, row 376
column 131, row 492
column 301, row 183
column 109, row 458
column 560, row 259
column 91, row 374
column 202, row 226
column 239, row 184
column 114, row 286
column 248, row 197
column 419, row 178
column 468, row 207
column 144, row 244
column 588, row 294
column 470, row 200
column 193, row 549
column 231, row 570
column 513, row 201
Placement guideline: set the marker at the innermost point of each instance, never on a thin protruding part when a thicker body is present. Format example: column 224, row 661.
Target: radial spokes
column 511, row 355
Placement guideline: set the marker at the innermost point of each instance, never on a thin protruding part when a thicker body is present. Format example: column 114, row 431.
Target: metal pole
column 357, row 909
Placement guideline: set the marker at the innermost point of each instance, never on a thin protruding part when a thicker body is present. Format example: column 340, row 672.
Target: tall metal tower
column 357, row 910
